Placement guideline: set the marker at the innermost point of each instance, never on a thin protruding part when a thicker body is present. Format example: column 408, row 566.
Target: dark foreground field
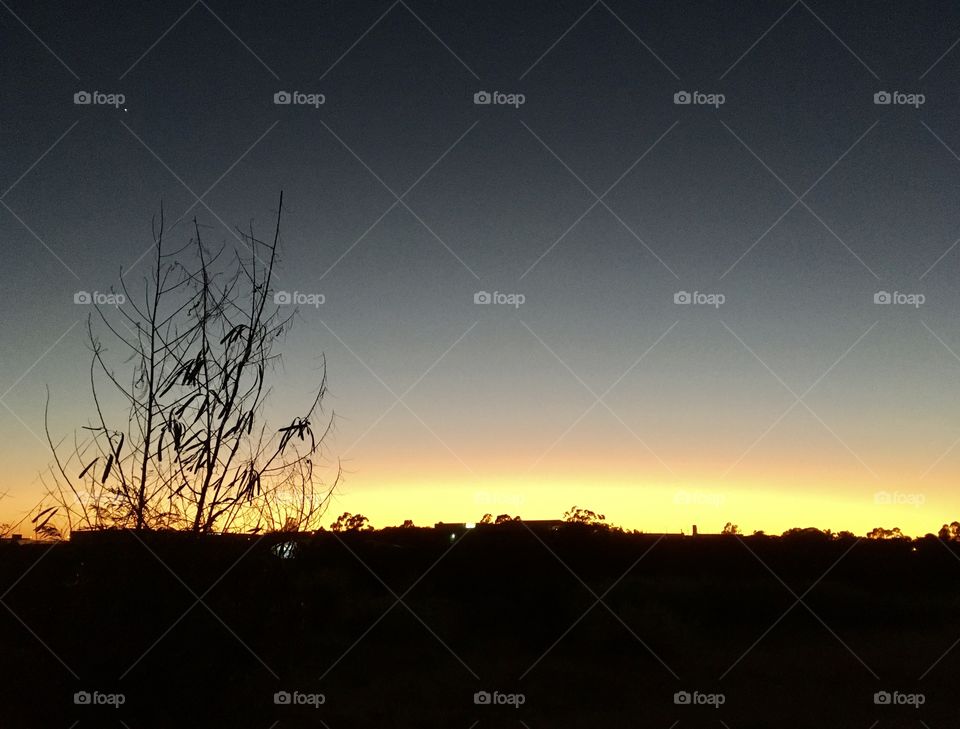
column 190, row 633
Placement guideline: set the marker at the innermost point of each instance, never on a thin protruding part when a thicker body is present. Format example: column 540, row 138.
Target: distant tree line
column 577, row 516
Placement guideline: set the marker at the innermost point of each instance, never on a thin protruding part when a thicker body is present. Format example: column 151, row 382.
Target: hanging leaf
column 106, row 470
column 88, row 467
column 45, row 511
column 170, row 384
column 40, row 527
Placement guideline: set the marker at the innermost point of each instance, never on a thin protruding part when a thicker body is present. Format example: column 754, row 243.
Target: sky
column 688, row 319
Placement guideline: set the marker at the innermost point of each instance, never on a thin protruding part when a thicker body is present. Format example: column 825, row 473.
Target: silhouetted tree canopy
column 950, row 531
column 348, row 522
column 576, row 515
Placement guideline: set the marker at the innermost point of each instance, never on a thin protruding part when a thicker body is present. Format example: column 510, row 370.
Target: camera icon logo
column 682, row 697
column 82, row 698
column 82, row 97
column 482, row 697
column 282, row 97
column 882, row 297
column 881, row 697
column 482, row 297
column 482, row 97
column 682, row 97
column 882, row 97
column 282, row 298
column 682, row 297
column 282, row 698
column 82, row 297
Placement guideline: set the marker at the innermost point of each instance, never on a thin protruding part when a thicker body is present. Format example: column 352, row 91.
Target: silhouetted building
column 458, row 529
column 455, row 529
column 544, row 524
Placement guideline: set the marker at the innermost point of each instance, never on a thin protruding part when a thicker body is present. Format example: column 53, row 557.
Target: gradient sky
column 698, row 419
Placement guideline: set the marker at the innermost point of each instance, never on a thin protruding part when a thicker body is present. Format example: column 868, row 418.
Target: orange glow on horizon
column 767, row 491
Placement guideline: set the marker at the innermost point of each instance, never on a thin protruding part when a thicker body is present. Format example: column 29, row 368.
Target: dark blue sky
column 694, row 198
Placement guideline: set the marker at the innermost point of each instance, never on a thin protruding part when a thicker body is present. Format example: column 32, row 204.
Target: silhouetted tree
column 950, row 531
column 881, row 533
column 486, row 519
column 805, row 533
column 407, row 524
column 730, row 528
column 193, row 453
column 506, row 519
column 348, row 522
column 576, row 515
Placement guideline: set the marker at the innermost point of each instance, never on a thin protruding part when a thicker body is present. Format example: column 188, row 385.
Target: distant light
column 452, row 537
column 470, row 525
